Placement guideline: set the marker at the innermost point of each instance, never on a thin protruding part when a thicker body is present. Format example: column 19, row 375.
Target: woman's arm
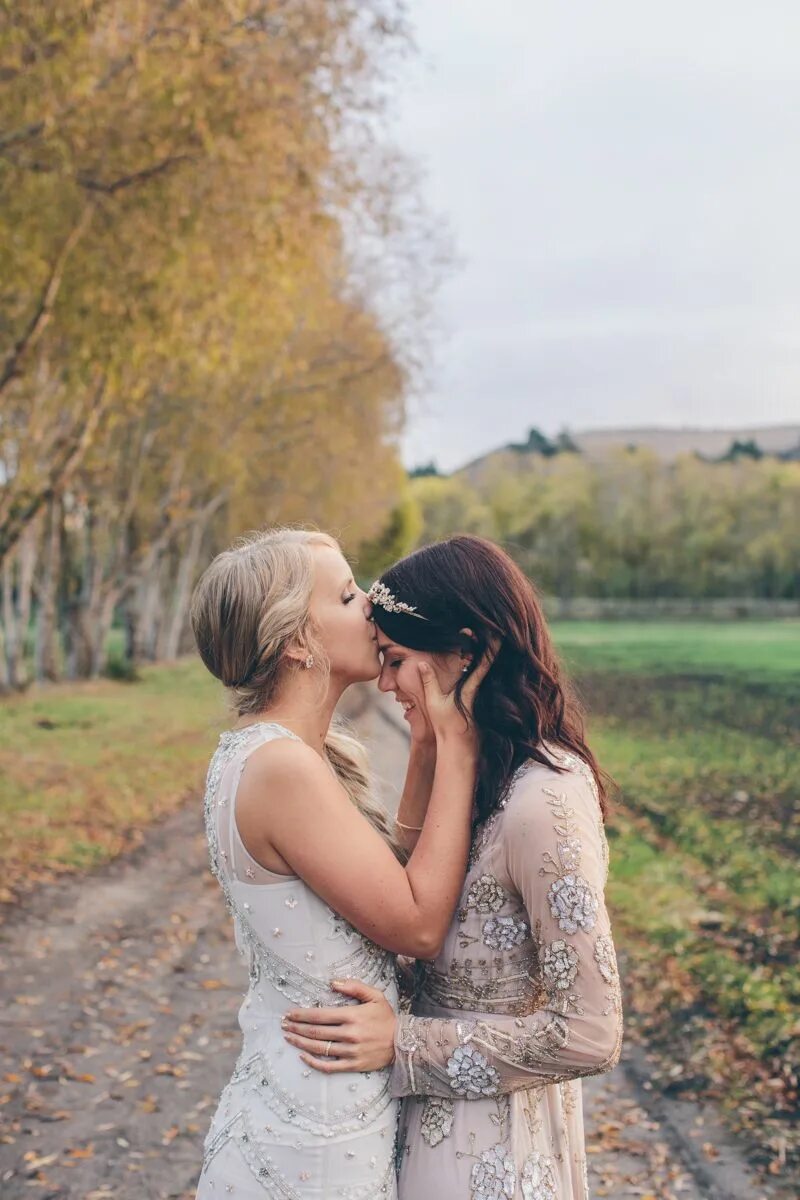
column 416, row 792
column 289, row 801
column 554, row 850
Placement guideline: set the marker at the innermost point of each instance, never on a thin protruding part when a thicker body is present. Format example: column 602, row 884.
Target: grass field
column 84, row 769
column 700, row 727
column 758, row 651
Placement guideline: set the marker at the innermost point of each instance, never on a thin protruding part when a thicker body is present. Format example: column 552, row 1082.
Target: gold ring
column 328, row 1048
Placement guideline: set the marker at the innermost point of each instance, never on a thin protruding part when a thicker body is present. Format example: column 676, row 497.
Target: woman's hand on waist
column 353, row 1037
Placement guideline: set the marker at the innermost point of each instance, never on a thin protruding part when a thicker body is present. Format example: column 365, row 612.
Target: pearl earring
column 464, row 669
column 308, row 664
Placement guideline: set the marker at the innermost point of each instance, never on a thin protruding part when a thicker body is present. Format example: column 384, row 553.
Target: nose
column 384, row 682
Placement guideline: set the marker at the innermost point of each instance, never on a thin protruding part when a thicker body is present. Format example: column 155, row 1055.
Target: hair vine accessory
column 379, row 594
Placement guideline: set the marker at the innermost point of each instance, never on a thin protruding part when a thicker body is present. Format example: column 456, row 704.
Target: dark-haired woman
column 523, row 999
column 309, row 865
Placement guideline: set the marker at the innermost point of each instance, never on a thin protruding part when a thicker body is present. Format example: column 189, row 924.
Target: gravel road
column 119, row 996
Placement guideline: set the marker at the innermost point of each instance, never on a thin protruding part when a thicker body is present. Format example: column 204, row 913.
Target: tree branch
column 21, row 135
column 43, row 312
column 35, row 128
column 116, row 185
column 173, row 528
column 67, row 457
column 350, row 377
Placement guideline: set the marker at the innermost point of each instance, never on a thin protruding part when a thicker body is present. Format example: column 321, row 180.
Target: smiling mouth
column 407, row 705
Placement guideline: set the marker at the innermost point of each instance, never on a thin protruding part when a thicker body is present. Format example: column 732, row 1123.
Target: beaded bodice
column 522, row 1002
column 490, row 961
column 294, row 945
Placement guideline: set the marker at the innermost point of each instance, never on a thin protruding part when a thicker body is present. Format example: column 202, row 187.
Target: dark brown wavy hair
column 525, row 703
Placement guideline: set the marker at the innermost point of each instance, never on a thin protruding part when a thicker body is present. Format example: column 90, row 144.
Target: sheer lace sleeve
column 554, row 852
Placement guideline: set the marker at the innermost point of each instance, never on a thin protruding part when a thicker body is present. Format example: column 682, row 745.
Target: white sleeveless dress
column 283, row 1130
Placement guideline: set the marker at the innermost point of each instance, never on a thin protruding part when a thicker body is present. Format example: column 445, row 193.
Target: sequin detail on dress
column 282, row 1131
column 522, row 1001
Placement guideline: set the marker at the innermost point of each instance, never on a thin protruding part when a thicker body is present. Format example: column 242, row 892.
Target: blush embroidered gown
column 282, row 1130
column 523, row 1000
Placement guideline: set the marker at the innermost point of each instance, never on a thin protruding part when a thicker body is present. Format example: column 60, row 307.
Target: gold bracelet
column 410, row 828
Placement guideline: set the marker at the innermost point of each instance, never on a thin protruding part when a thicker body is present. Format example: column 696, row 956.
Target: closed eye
column 389, row 662
column 350, row 596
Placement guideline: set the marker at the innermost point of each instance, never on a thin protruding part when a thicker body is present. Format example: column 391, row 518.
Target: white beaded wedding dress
column 283, row 1130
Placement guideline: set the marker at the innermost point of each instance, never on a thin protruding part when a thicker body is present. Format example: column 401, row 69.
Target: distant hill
column 669, row 443
column 783, row 440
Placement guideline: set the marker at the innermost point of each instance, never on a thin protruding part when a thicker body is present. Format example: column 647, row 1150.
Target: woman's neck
column 301, row 710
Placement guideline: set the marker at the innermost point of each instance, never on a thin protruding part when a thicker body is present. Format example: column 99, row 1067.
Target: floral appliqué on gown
column 283, row 1131
column 523, row 1000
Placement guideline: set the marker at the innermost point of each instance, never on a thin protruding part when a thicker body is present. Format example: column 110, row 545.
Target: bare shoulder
column 284, row 784
column 283, row 768
column 282, row 758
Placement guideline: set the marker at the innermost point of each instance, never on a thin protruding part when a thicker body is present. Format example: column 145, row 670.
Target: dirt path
column 119, row 996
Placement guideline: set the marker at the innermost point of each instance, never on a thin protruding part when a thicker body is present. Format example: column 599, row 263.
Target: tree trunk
column 129, row 547
column 146, row 605
column 170, row 573
column 130, row 623
column 27, row 565
column 186, row 573
column 101, row 631
column 10, row 626
column 17, row 572
column 46, row 665
column 75, row 644
column 180, row 602
column 77, row 570
column 65, row 456
column 4, row 681
column 157, row 609
column 5, row 678
column 87, row 638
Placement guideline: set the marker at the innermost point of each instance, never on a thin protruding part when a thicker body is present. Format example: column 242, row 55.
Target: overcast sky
column 622, row 183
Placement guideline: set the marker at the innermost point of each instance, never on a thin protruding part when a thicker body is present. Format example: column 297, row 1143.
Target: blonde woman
column 308, row 863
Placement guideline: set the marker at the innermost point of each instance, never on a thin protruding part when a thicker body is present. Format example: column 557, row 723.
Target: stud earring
column 464, row 669
column 308, row 664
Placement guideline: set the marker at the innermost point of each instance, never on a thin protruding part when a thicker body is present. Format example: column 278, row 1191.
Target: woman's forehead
column 331, row 563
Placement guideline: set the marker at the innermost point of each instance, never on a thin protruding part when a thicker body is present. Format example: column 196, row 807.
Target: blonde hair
column 250, row 604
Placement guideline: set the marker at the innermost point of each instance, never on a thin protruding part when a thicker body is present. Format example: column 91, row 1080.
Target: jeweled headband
column 380, row 594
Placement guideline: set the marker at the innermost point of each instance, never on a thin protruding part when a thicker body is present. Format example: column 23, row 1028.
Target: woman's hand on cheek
column 449, row 718
column 441, row 712
column 355, row 1037
column 421, row 730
